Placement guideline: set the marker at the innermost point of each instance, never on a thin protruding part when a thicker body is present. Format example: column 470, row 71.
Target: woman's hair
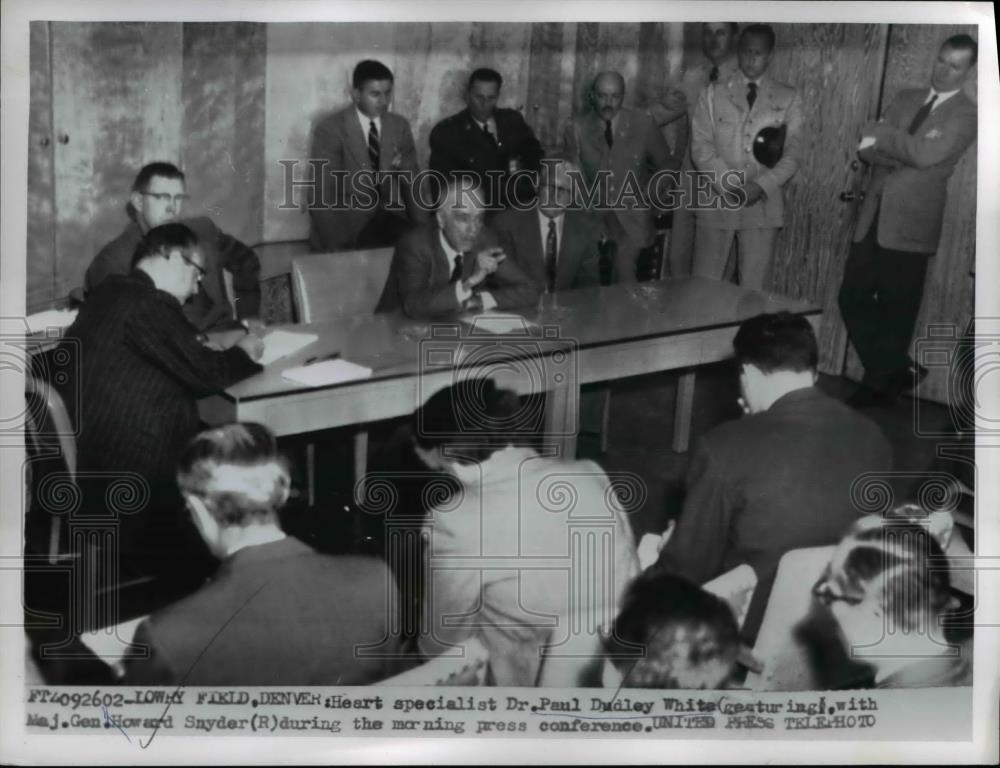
column 900, row 558
column 473, row 419
column 237, row 471
column 671, row 633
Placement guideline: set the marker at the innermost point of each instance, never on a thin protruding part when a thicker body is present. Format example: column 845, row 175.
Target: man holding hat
column 737, row 136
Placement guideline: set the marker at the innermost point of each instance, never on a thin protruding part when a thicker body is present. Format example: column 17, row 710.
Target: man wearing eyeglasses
column 141, row 369
column 158, row 196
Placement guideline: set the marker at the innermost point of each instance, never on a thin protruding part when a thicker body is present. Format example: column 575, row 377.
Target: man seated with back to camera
column 455, row 264
column 276, row 612
column 510, row 512
column 141, row 369
column 157, row 197
column 778, row 479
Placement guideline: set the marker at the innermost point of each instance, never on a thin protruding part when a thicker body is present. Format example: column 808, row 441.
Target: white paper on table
column 278, row 344
column 866, row 141
column 51, row 318
column 327, row 372
column 111, row 643
column 498, row 323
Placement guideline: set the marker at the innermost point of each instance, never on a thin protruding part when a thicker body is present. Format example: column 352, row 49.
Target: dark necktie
column 373, row 145
column 921, row 115
column 490, row 136
column 608, row 135
column 456, row 273
column 551, row 247
column 751, row 94
column 713, row 74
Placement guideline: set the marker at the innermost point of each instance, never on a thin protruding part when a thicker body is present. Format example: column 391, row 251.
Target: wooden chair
column 326, row 286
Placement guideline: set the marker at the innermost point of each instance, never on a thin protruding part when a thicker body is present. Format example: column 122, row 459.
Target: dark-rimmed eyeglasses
column 166, row 197
column 824, row 593
column 188, row 260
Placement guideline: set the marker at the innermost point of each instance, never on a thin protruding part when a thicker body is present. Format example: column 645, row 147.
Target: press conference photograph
column 582, row 355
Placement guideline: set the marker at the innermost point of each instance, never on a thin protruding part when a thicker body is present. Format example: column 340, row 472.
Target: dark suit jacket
column 638, row 149
column 459, row 144
column 210, row 306
column 273, row 614
column 577, row 263
column 769, row 483
column 909, row 182
column 420, row 271
column 339, row 140
column 139, row 369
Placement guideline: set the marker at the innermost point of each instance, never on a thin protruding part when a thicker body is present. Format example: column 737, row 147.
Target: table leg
column 360, row 471
column 561, row 416
column 311, row 473
column 682, row 411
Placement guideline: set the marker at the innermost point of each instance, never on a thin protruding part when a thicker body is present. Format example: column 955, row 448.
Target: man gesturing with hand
column 455, row 264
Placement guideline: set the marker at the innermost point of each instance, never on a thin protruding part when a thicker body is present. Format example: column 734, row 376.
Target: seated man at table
column 781, row 477
column 276, row 612
column 141, row 369
column 554, row 241
column 157, row 197
column 456, row 264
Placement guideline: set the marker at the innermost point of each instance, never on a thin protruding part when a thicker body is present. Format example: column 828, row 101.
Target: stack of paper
column 51, row 318
column 278, row 343
column 327, row 372
column 505, row 324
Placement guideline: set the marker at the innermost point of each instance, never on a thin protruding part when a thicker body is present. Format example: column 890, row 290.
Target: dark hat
column 769, row 144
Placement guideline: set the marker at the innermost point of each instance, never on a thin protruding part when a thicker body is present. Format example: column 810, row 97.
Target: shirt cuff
column 461, row 293
column 488, row 301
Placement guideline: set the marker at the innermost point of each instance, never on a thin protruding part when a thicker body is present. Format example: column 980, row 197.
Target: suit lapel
column 357, row 142
column 737, row 93
column 441, row 265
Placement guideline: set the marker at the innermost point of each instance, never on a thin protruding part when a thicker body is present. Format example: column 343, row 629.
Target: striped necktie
column 373, row 145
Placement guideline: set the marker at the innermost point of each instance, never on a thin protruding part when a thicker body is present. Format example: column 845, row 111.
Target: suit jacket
column 273, row 614
column 577, row 260
column 459, row 144
column 138, row 371
column 347, row 204
column 419, row 277
column 210, row 306
column 521, row 594
column 726, row 144
column 638, row 149
column 769, row 483
column 909, row 182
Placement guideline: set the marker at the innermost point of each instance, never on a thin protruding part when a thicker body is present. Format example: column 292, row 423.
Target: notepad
column 327, row 372
column 51, row 318
column 489, row 322
column 112, row 643
column 278, row 344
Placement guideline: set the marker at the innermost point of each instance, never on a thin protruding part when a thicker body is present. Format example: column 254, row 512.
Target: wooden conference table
column 573, row 338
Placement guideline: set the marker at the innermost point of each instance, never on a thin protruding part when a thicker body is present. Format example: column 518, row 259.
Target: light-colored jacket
column 723, row 130
column 910, row 174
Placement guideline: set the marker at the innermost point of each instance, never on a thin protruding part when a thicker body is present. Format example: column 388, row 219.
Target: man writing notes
column 781, row 477
column 488, row 142
column 368, row 156
column 726, row 123
column 455, row 265
column 554, row 241
column 141, row 370
column 628, row 145
column 913, row 151
column 158, row 197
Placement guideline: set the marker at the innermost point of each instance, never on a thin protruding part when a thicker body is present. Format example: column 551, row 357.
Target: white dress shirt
column 365, row 122
column 942, row 97
column 461, row 292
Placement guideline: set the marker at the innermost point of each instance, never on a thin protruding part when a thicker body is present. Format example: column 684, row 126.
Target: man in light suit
column 627, row 144
column 455, row 265
column 488, row 142
column 365, row 199
column 554, row 241
column 726, row 121
column 913, row 151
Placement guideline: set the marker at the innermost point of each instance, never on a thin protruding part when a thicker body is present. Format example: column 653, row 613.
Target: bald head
column 607, row 93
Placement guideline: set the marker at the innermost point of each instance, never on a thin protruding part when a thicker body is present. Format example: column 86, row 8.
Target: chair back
column 51, row 444
column 326, row 286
